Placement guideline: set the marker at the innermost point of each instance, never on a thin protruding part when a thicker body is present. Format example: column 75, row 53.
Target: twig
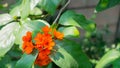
column 61, row 11
column 117, row 30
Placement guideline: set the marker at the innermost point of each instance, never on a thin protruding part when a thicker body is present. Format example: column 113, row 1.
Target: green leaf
column 116, row 63
column 26, row 61
column 72, row 50
column 15, row 11
column 105, row 4
column 33, row 3
column 7, row 37
column 5, row 62
column 70, row 18
column 25, row 8
column 108, row 58
column 69, row 31
column 36, row 11
column 50, row 65
column 63, row 59
column 49, row 5
column 34, row 25
column 5, row 18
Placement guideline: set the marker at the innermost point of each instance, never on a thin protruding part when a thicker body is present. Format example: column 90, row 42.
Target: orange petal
column 58, row 35
column 27, row 47
column 27, row 37
column 46, row 29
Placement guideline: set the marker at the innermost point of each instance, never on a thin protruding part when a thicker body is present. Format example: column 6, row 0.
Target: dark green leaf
column 71, row 18
column 105, row 4
column 71, row 55
column 63, row 59
column 49, row 5
column 108, row 58
column 116, row 63
column 4, row 61
column 26, row 61
column 48, row 66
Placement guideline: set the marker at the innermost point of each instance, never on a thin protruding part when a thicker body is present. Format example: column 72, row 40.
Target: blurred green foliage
column 10, row 59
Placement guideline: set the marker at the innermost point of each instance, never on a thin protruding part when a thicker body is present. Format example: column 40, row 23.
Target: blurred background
column 108, row 19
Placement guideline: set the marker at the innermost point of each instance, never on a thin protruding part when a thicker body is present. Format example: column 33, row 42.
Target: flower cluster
column 44, row 43
column 27, row 43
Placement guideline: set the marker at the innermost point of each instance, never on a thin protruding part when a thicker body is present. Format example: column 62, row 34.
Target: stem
column 55, row 21
column 117, row 30
column 33, row 66
column 94, row 15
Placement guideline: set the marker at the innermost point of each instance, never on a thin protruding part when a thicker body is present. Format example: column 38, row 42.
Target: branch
column 61, row 11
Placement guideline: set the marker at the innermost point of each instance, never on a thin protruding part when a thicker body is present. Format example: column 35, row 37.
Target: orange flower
column 27, row 47
column 43, row 58
column 58, row 35
column 44, row 43
column 46, row 29
column 27, row 43
column 28, row 37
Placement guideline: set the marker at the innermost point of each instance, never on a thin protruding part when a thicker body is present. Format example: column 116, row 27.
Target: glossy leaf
column 71, row 18
column 7, row 37
column 26, row 61
column 105, row 4
column 34, row 25
column 69, row 31
column 63, row 59
column 5, row 18
column 49, row 5
column 108, row 58
column 73, row 50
